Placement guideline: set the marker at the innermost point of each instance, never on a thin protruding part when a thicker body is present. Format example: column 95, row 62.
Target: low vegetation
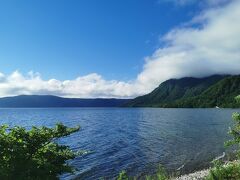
column 34, row 154
column 160, row 175
column 230, row 170
column 222, row 171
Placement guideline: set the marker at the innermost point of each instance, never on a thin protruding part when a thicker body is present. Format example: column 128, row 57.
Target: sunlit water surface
column 133, row 139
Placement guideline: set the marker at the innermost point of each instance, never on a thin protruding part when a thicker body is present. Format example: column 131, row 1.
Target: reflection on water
column 137, row 140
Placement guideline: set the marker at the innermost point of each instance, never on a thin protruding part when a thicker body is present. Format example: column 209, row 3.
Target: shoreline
column 201, row 174
column 198, row 175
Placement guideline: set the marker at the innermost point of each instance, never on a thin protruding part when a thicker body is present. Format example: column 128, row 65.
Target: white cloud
column 92, row 85
column 200, row 2
column 212, row 46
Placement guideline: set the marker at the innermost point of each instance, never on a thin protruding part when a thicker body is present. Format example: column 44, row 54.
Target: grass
column 229, row 171
column 160, row 175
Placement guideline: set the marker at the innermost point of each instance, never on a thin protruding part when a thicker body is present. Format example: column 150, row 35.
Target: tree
column 231, row 170
column 235, row 130
column 34, row 154
column 237, row 98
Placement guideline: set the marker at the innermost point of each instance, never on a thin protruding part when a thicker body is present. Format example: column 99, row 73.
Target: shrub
column 235, row 133
column 123, row 176
column 160, row 175
column 230, row 170
column 34, row 154
column 237, row 98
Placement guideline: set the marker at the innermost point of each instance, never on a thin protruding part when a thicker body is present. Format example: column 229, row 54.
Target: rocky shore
column 198, row 175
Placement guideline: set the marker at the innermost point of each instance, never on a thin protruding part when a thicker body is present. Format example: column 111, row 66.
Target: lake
column 137, row 140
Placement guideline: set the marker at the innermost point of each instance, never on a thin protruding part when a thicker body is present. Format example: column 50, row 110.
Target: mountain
column 212, row 91
column 221, row 94
column 54, row 101
column 188, row 92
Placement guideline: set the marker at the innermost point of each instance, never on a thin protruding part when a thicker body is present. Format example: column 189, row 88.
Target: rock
column 199, row 175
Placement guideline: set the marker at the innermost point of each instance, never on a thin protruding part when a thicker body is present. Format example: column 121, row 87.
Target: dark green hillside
column 221, row 94
column 172, row 90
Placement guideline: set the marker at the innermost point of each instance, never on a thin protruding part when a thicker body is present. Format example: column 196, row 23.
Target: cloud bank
column 209, row 44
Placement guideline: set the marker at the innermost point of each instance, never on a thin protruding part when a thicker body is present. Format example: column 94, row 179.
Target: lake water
column 133, row 139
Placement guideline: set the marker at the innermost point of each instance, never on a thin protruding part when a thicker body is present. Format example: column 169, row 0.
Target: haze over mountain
column 212, row 91
column 34, row 101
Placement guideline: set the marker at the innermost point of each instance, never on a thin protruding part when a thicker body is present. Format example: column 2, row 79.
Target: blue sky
column 65, row 39
column 110, row 48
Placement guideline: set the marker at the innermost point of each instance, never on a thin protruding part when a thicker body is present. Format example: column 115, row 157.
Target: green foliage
column 231, row 170
column 123, row 176
column 235, row 133
column 237, row 98
column 160, row 175
column 34, row 154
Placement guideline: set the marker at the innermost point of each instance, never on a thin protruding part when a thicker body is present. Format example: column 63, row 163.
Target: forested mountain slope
column 212, row 91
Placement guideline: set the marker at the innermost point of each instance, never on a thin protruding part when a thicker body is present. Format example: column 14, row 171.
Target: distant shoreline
column 48, row 101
